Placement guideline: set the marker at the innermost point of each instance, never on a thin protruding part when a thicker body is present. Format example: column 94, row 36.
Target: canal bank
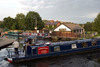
column 4, row 42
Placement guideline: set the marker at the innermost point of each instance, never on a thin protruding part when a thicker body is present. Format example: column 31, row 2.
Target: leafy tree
column 20, row 19
column 1, row 25
column 8, row 22
column 33, row 19
column 97, row 23
column 15, row 26
column 23, row 22
column 88, row 26
column 93, row 26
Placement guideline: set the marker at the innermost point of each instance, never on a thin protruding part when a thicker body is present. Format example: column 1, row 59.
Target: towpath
column 4, row 42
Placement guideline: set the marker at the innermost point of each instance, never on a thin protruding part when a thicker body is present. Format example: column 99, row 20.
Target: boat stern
column 10, row 60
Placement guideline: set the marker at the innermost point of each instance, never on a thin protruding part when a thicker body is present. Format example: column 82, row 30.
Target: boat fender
column 5, row 59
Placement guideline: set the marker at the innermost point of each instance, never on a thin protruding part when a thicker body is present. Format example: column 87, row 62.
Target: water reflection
column 64, row 61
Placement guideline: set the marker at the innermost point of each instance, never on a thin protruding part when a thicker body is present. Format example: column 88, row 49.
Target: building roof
column 73, row 26
column 51, row 23
column 1, row 21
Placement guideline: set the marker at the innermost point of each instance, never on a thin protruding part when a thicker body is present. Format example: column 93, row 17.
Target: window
column 94, row 43
column 74, row 46
column 56, row 48
column 52, row 25
column 47, row 25
column 84, row 44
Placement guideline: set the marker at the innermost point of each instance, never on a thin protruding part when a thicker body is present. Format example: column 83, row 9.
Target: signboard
column 43, row 50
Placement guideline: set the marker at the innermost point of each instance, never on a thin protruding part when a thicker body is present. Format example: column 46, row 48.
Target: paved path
column 5, row 42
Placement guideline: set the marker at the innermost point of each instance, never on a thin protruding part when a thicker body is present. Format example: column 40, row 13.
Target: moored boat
column 54, row 49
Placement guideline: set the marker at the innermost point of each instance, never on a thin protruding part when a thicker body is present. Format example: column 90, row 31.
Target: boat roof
column 63, row 43
column 68, row 42
column 85, row 40
column 74, row 42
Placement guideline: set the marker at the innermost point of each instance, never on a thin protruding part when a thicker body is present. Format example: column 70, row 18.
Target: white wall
column 62, row 26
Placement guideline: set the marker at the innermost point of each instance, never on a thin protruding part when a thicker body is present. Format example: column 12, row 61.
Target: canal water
column 76, row 60
column 81, row 60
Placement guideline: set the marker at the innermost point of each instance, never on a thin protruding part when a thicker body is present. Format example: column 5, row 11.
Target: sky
column 77, row 11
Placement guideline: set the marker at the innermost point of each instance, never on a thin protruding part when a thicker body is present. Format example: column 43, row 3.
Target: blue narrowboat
column 54, row 49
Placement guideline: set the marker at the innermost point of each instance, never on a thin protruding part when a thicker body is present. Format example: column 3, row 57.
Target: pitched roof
column 73, row 26
column 1, row 21
column 51, row 23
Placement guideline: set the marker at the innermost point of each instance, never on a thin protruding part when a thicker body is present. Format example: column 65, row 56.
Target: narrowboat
column 54, row 49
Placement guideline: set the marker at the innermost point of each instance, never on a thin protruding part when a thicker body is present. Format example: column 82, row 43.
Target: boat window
column 94, row 43
column 56, row 48
column 84, row 44
column 74, row 46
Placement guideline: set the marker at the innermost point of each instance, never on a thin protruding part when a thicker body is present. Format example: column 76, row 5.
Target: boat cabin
column 58, row 48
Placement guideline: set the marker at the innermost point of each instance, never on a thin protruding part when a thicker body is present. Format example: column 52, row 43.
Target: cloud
column 90, row 15
column 79, row 11
column 35, row 4
column 9, row 8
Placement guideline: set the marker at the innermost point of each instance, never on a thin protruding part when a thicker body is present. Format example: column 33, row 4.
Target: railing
column 11, row 52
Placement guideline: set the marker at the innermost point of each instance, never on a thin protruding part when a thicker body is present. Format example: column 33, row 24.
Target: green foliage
column 89, row 26
column 22, row 22
column 8, row 22
column 1, row 25
column 93, row 26
column 97, row 23
column 33, row 19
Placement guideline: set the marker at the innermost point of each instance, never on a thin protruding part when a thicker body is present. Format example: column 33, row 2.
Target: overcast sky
column 77, row 11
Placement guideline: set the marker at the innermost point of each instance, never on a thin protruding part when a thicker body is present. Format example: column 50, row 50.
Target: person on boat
column 31, row 42
column 24, row 46
column 26, row 39
column 27, row 47
column 16, row 46
column 0, row 34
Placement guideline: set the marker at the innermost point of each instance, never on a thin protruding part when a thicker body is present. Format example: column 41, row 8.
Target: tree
column 8, row 22
column 89, row 26
column 20, row 19
column 21, row 22
column 33, row 19
column 1, row 25
column 97, row 23
column 15, row 26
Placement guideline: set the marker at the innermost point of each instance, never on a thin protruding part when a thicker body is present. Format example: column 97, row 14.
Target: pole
column 35, row 28
column 18, row 36
column 36, row 23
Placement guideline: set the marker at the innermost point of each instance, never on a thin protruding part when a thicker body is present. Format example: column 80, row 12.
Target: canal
column 82, row 60
column 77, row 60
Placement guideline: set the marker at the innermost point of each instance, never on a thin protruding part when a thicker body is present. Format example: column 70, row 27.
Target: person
column 26, row 39
column 16, row 46
column 24, row 46
column 28, row 48
column 0, row 34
